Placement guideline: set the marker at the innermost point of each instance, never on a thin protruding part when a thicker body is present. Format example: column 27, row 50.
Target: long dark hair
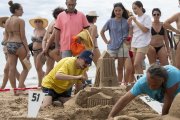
column 125, row 13
column 13, row 6
column 139, row 4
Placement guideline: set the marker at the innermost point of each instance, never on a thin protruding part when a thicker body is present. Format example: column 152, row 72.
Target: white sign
column 34, row 102
column 155, row 105
column 137, row 76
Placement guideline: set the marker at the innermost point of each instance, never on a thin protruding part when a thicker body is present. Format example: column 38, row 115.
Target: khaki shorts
column 123, row 51
column 142, row 49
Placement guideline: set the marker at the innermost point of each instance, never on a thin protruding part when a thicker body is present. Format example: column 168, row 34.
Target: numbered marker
column 155, row 105
column 137, row 76
column 34, row 102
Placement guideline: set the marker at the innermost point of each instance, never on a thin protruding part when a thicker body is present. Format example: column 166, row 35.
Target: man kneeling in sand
column 67, row 72
column 162, row 83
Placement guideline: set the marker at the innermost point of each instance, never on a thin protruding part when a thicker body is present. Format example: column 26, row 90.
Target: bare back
column 94, row 33
column 13, row 29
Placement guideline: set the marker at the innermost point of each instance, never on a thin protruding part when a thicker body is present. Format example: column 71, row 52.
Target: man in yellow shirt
column 67, row 72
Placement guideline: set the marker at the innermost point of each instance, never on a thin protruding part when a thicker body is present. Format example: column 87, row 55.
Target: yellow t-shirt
column 65, row 66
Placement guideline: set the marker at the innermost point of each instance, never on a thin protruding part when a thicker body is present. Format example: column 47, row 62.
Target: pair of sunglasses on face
column 37, row 21
column 156, row 14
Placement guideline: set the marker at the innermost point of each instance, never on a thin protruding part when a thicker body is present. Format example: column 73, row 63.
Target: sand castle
column 95, row 103
column 82, row 107
column 105, row 72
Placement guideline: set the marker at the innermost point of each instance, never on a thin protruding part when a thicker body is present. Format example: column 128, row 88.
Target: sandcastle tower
column 106, row 72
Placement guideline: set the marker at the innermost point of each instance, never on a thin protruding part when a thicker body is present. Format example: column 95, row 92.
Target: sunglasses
column 37, row 21
column 156, row 14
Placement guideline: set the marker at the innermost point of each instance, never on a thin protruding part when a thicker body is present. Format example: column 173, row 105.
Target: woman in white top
column 141, row 26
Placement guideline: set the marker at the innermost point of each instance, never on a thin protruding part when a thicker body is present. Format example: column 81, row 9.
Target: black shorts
column 54, row 94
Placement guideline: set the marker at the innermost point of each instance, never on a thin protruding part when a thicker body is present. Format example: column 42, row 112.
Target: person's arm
column 104, row 37
column 23, row 36
column 61, row 76
column 94, row 34
column 167, row 23
column 79, row 86
column 57, row 39
column 50, row 41
column 120, row 104
column 166, row 42
column 5, row 36
column 141, row 26
column 45, row 40
column 168, row 98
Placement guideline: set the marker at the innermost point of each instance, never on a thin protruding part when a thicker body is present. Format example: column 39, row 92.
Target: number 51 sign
column 34, row 102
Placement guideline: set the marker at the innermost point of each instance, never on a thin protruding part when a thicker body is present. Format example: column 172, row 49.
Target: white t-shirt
column 140, row 38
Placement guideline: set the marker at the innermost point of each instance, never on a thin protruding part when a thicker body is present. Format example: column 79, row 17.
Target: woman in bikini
column 39, row 24
column 4, row 43
column 52, row 54
column 17, row 46
column 159, row 45
column 92, row 17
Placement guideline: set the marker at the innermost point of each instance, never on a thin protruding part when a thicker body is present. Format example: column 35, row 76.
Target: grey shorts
column 123, row 51
column 66, row 53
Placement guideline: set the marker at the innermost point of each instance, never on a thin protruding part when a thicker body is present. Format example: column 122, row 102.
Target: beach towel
column 86, row 39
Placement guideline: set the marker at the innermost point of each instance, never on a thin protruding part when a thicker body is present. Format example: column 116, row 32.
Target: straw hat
column 45, row 21
column 2, row 19
column 92, row 13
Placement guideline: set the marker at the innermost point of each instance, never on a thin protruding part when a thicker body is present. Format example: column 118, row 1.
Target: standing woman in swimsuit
column 92, row 17
column 4, row 43
column 159, row 45
column 39, row 24
column 17, row 46
column 141, row 26
column 52, row 54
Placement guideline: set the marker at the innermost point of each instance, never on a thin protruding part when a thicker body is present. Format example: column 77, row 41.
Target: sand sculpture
column 105, row 72
column 94, row 96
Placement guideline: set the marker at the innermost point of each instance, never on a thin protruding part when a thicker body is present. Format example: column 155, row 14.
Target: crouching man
column 66, row 73
column 162, row 83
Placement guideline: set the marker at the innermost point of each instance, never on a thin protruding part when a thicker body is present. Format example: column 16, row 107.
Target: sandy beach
column 77, row 108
